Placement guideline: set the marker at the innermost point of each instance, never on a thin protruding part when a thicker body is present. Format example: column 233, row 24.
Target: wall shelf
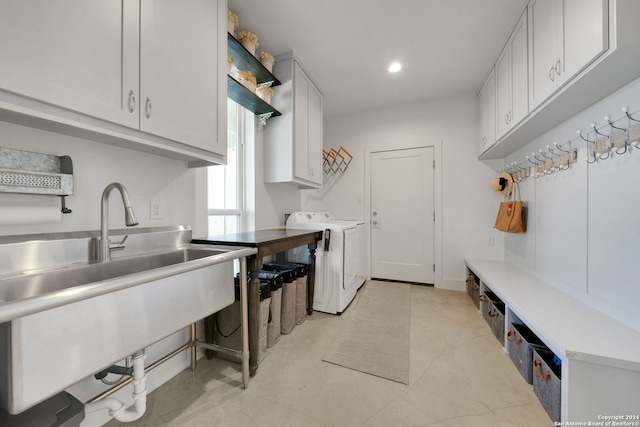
column 248, row 99
column 244, row 60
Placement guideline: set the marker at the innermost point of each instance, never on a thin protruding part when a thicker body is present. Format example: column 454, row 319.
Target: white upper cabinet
column 293, row 141
column 155, row 68
column 179, row 91
column 512, row 79
column 487, row 113
column 585, row 35
column 565, row 37
column 81, row 56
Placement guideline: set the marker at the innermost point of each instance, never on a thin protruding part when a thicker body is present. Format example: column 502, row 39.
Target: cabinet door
column 315, row 134
column 585, row 34
column 79, row 55
column 519, row 72
column 512, row 79
column 487, row 113
column 301, row 89
column 179, row 50
column 503, row 91
column 490, row 106
column 543, row 53
column 482, row 120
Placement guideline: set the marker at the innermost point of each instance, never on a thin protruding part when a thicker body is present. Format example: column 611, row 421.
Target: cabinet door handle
column 147, row 108
column 557, row 67
column 552, row 75
column 132, row 101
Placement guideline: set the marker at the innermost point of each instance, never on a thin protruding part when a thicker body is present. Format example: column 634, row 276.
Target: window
column 225, row 183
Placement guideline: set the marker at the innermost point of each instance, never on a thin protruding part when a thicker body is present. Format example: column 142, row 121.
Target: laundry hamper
column 301, row 272
column 288, row 307
column 275, row 308
column 265, row 307
column 547, row 380
column 521, row 341
column 228, row 323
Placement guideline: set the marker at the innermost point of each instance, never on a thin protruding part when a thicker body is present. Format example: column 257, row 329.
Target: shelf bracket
column 262, row 118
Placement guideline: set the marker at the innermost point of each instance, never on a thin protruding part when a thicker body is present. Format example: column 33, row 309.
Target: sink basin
column 63, row 324
column 30, row 285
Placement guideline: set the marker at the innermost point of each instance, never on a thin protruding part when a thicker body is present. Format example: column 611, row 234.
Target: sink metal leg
column 244, row 321
column 311, row 277
column 254, row 263
column 194, row 349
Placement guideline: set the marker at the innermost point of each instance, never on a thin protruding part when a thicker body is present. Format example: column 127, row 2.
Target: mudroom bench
column 598, row 357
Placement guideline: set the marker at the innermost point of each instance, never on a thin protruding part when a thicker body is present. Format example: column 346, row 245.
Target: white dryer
column 339, row 258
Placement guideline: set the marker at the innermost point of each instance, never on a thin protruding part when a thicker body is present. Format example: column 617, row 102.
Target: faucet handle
column 117, row 246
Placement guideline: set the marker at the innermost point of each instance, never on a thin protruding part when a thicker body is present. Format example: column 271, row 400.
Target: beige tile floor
column 460, row 376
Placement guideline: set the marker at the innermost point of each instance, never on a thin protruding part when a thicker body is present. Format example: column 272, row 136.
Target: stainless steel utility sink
column 41, row 283
column 64, row 322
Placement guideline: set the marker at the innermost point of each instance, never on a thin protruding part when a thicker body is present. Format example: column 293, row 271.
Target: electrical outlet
column 156, row 210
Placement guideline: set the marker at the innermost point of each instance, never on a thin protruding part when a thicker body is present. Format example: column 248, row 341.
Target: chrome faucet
column 104, row 244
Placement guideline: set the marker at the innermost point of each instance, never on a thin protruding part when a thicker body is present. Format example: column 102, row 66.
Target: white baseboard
column 452, row 285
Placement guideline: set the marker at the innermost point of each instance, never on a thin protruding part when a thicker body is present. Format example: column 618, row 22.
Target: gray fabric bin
column 546, row 381
column 473, row 289
column 493, row 313
column 521, row 339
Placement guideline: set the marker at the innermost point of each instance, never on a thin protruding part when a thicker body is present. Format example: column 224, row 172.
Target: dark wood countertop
column 266, row 241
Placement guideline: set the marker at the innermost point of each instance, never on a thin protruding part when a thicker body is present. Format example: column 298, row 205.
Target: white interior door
column 402, row 215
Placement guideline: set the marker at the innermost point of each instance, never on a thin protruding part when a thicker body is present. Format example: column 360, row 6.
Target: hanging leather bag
column 510, row 217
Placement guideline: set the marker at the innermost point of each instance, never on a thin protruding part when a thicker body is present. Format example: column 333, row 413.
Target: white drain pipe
column 116, row 407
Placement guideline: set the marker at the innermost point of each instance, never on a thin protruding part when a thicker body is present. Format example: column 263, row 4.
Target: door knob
column 374, row 213
column 375, row 222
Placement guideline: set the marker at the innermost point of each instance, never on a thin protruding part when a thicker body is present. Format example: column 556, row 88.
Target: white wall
column 583, row 229
column 270, row 201
column 145, row 176
column 469, row 205
column 95, row 165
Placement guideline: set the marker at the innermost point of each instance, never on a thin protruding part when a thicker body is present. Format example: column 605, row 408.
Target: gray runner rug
column 375, row 338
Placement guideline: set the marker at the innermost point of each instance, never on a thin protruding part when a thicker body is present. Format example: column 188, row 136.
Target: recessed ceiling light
column 395, row 67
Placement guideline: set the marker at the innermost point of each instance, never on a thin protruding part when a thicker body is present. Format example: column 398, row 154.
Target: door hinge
column 434, row 215
column 434, row 268
column 434, row 164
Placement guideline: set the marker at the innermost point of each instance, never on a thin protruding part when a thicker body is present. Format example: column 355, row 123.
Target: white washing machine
column 339, row 258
